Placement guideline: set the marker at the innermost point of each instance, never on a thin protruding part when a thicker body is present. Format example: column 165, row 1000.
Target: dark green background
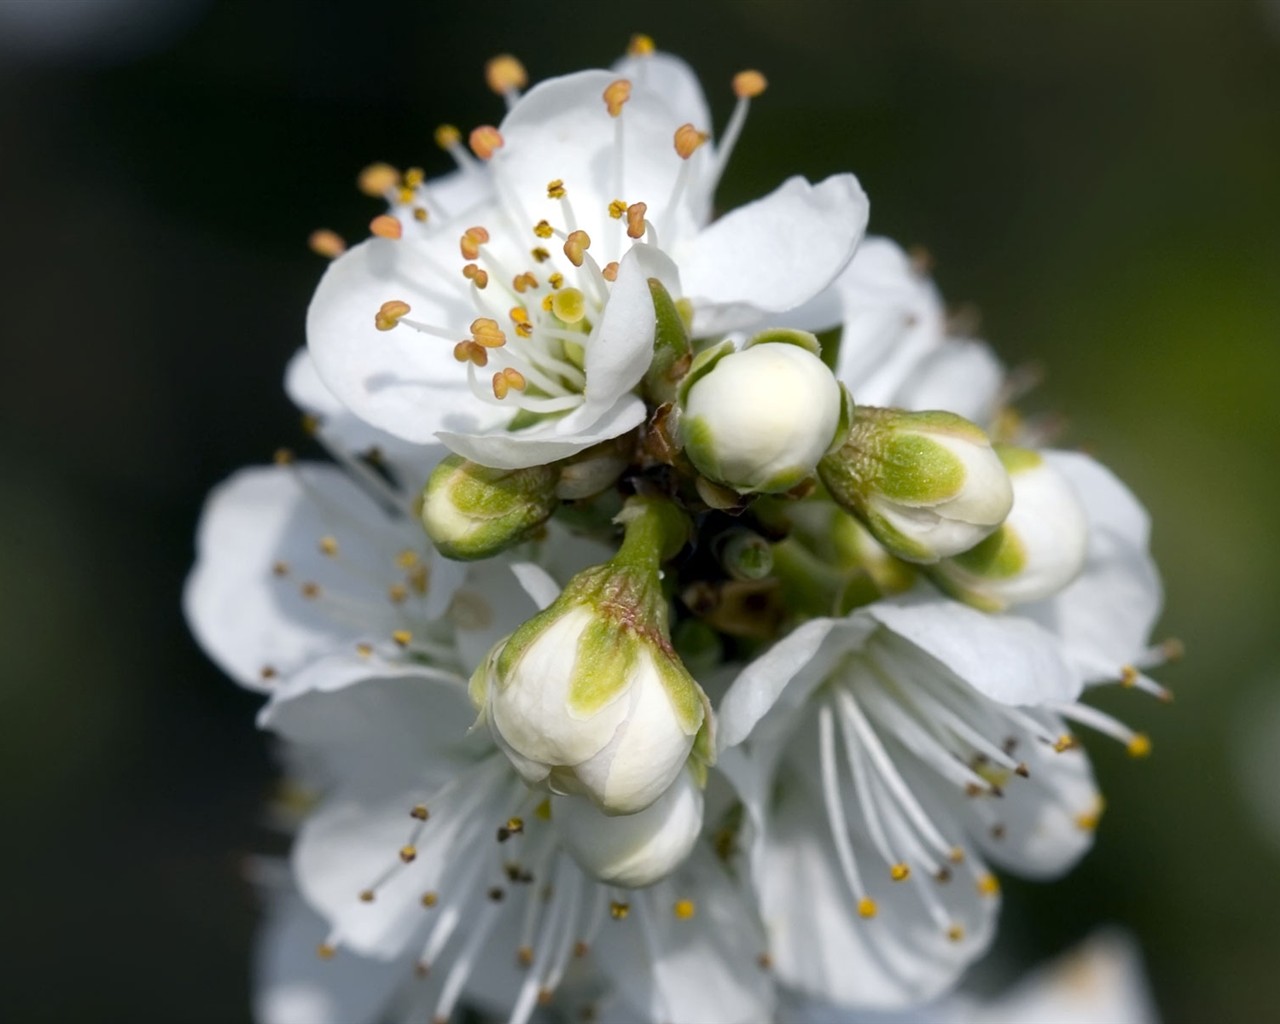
column 1100, row 180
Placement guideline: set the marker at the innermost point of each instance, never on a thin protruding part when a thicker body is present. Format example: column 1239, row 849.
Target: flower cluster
column 684, row 624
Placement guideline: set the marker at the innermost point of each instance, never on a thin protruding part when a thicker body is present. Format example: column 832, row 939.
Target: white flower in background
column 600, row 183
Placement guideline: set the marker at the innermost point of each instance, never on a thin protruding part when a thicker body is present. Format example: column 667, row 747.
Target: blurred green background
column 1101, row 181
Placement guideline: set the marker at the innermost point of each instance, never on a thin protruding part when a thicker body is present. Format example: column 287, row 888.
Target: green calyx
column 471, row 511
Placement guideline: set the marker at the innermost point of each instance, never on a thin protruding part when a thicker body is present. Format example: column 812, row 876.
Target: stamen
column 377, row 180
column 385, row 226
column 616, row 95
column 486, row 332
column 747, row 85
column 326, row 243
column 506, row 76
column 640, row 45
column 523, row 282
column 476, row 275
column 831, row 797
column 470, row 242
column 610, row 271
column 507, row 379
column 389, row 314
column 635, row 220
column 1138, row 744
column 543, row 229
column 447, row 136
column 555, row 189
column 687, row 140
column 575, row 247
column 485, row 141
column 470, row 352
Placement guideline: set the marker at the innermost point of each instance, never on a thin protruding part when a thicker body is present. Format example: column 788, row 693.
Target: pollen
column 867, row 907
column 1139, row 746
column 617, row 208
column 507, row 380
column 476, row 275
column 485, row 141
column 1087, row 822
column 329, row 546
column 268, row 672
column 471, row 241
column 619, row 910
column 556, row 280
column 420, row 214
column 955, row 933
column 504, row 73
column 540, row 255
column 684, row 909
column 543, row 228
column 486, row 332
column 519, row 315
column 635, row 220
column 402, row 637
column 470, row 352
column 616, row 95
column 747, row 85
column 515, row 826
column 899, row 872
column 385, row 226
column 568, row 305
column 555, row 189
column 576, row 245
column 956, row 855
column 640, row 45
column 1128, row 677
column 430, row 899
column 988, row 885
column 377, row 180
column 687, row 140
column 326, row 243
column 447, row 136
column 408, row 854
column 610, row 271
column 1064, row 743
column 414, row 177
column 389, row 314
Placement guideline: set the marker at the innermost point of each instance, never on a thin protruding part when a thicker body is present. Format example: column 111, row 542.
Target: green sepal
column 603, row 663
column 703, row 363
column 787, row 336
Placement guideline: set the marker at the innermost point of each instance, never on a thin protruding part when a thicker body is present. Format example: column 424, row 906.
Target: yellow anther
column 543, row 811
column 397, row 594
column 486, row 332
column 640, row 45
column 899, row 872
column 765, row 962
column 1064, row 743
column 616, row 95
column 364, row 650
column 385, row 226
column 523, row 282
column 408, row 854
column 524, row 956
column 504, row 73
column 688, row 139
column 326, row 243
column 519, row 314
column 619, row 910
column 377, row 180
column 955, row 933
column 267, row 672
column 747, row 85
column 547, row 303
column 555, row 189
column 405, row 195
column 507, row 380
column 471, row 240
column 1139, row 746
column 367, row 895
column 524, row 330
column 418, row 577
column 389, row 314
column 1088, row 822
column 283, row 457
column 543, row 229
column 610, row 271
column 420, row 214
column 684, row 909
column 617, row 208
column 576, row 245
column 414, row 177
column 540, row 255
column 568, row 304
column 515, row 826
column 447, row 136
column 430, row 899
column 635, row 220
column 956, row 855
column 556, row 280
column 470, row 352
column 867, row 907
column 407, row 558
column 329, row 546
column 988, row 885
column 545, row 996
column 325, row 951
column 476, row 275
column 280, row 568
column 581, row 949
column 1128, row 677
column 310, row 591
column 485, row 141
column 402, row 637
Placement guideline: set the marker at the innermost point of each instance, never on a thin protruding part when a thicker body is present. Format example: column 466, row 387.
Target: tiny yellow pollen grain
column 504, row 73
column 405, row 195
column 329, row 546
column 635, row 219
column 485, row 141
column 640, row 45
column 407, row 558
column 616, row 95
column 749, row 84
column 610, row 271
column 377, row 180
column 1139, row 746
column 524, row 330
column 402, row 637
column 386, row 226
column 280, row 568
column 419, row 812
column 367, row 896
column 519, row 315
column 414, row 177
column 447, row 136
column 899, row 872
column 555, row 189
column 956, row 855
column 326, row 243
column 515, row 826
column 543, row 229
column 547, row 302
column 988, row 885
column 310, row 591
column 569, row 305
column 867, row 907
column 267, row 672
column 684, row 909
column 687, row 140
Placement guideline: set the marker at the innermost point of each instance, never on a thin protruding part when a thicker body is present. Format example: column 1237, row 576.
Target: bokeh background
column 1100, row 182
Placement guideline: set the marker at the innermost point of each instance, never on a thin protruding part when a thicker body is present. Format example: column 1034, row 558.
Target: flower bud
column 928, row 485
column 1037, row 551
column 472, row 511
column 589, row 696
column 759, row 419
column 633, row 850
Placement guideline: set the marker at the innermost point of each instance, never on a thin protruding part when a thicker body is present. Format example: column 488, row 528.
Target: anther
column 619, row 910
column 470, row 352
column 364, row 650
column 617, row 208
column 329, row 546
column 367, row 896
column 568, row 305
column 523, row 282
column 325, row 951
column 687, row 140
column 280, row 569
column 267, row 672
column 555, row 189
column 747, row 85
column 389, row 314
column 420, row 214
column 377, row 180
column 430, row 899
column 610, row 271
column 1139, row 746
column 447, row 136
column 497, row 893
column 283, row 457
column 506, row 380
column 635, row 220
column 310, row 424
column 504, row 73
column 545, row 995
column 476, row 275
column 955, row 933
column 1064, row 743
column 414, row 177
column 515, row 826
column 988, row 885
column 543, row 229
column 543, row 811
column 402, row 637
column 485, row 141
column 486, row 332
column 556, row 280
column 420, row 812
column 405, row 195
column 899, row 872
column 576, row 245
column 616, row 95
column 310, row 591
column 326, row 243
column 397, row 594
column 1022, row 770
column 540, row 255
column 408, row 854
column 518, row 314
column 385, row 226
column 1128, row 677
column 471, row 241
column 955, row 855
column 640, row 45
column 524, row 956
column 867, row 907
column 684, row 909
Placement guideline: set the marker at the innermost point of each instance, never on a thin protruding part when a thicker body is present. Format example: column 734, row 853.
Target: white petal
column 1006, row 658
column 670, row 78
column 960, row 376
column 537, row 583
column 772, row 255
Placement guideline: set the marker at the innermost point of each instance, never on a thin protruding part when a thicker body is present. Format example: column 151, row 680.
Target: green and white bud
column 472, row 511
column 589, row 696
column 758, row 419
column 1038, row 550
column 928, row 485
column 633, row 850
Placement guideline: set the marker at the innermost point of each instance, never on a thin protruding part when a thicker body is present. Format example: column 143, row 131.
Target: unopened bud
column 472, row 511
column 928, row 485
column 759, row 419
column 1037, row 550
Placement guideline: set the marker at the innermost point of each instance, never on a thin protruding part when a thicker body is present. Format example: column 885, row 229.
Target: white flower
column 543, row 294
column 759, row 419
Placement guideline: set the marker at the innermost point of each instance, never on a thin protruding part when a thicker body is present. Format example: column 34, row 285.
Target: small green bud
column 472, row 511
column 928, row 485
column 672, row 350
